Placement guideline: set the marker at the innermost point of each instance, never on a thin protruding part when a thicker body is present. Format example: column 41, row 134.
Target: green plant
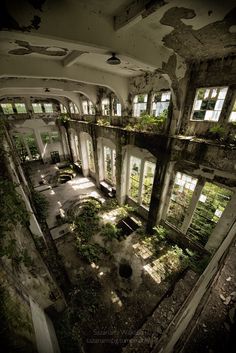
column 217, row 132
column 160, row 233
column 110, row 231
column 148, row 122
column 41, row 205
column 103, row 122
column 90, row 252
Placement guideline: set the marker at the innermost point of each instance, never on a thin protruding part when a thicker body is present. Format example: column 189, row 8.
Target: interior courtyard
column 118, row 176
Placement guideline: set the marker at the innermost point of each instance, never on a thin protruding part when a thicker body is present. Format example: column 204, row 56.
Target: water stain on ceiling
column 26, row 48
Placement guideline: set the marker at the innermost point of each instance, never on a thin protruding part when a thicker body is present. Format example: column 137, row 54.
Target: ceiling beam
column 71, row 58
column 135, row 12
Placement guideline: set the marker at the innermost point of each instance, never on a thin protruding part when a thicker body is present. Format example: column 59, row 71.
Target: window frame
column 211, row 88
column 38, row 104
column 135, row 104
column 143, row 161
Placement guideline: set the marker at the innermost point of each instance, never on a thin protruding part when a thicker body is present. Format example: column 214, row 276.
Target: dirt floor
column 215, row 330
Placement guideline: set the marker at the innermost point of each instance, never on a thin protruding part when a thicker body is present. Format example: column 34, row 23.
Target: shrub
column 110, row 231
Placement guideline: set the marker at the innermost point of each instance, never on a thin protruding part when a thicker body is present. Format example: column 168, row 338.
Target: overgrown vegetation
column 148, row 122
column 41, row 205
column 16, row 327
column 103, row 122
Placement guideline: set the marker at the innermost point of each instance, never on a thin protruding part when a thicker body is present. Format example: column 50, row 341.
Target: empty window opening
column 149, row 170
column 50, row 137
column 232, row 116
column 209, row 210
column 7, row 108
column 48, row 107
column 181, row 196
column 208, row 103
column 135, row 169
column 26, row 147
column 20, row 108
column 140, row 104
column 160, row 102
column 37, row 108
column 109, row 156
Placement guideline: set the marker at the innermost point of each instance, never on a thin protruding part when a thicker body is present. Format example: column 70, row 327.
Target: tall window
column 135, row 169
column 88, row 107
column 148, row 177
column 116, row 106
column 208, row 103
column 7, row 108
column 48, row 107
column 140, row 104
column 209, row 209
column 232, row 116
column 105, row 106
column 109, row 164
column 63, row 109
column 141, row 178
column 181, row 196
column 160, row 102
column 37, row 108
column 90, row 156
column 73, row 108
column 20, row 108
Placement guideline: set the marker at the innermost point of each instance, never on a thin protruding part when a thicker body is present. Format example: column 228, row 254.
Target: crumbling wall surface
column 148, row 335
column 212, row 73
column 17, row 330
column 214, row 328
column 200, row 152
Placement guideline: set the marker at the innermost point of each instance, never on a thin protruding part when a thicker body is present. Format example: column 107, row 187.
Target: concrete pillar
column 192, row 206
column 149, row 102
column 46, row 339
column 224, row 224
column 159, row 191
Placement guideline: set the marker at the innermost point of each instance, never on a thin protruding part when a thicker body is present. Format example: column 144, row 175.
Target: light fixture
column 47, row 90
column 113, row 60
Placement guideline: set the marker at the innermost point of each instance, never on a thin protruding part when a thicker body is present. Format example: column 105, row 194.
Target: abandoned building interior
column 117, row 176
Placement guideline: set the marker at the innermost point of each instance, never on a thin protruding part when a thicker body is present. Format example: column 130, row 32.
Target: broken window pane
column 181, row 196
column 140, row 104
column 160, row 102
column 208, row 103
column 210, row 207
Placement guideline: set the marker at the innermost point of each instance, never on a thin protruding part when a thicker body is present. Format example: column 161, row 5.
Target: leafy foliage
column 217, row 132
column 41, row 205
column 110, row 231
column 148, row 122
column 13, row 209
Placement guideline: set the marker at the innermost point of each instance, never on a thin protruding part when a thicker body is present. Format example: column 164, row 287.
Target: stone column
column 160, row 187
column 223, row 226
column 193, row 204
